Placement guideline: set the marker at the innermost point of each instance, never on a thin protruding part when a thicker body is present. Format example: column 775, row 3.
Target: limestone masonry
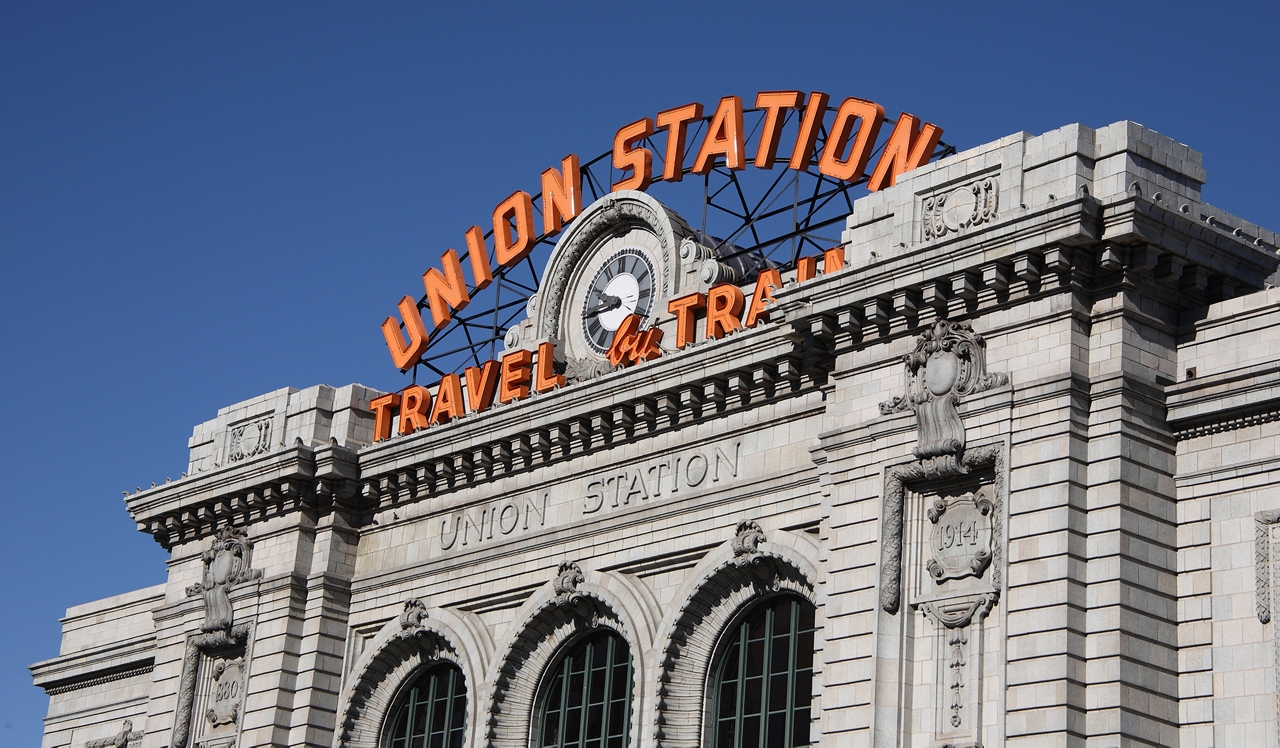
column 1009, row 477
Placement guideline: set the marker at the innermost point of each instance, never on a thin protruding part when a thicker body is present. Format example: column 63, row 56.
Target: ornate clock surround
column 550, row 312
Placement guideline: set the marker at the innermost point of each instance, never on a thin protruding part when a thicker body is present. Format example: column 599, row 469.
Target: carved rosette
column 960, row 208
column 949, row 362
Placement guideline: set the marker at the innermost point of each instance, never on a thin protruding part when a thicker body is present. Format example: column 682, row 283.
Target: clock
column 623, row 285
column 624, row 254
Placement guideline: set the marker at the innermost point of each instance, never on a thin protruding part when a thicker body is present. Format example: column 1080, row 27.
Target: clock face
column 623, row 285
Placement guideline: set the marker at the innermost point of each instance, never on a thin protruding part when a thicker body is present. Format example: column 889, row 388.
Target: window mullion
column 586, row 694
column 766, row 677
column 448, row 710
column 565, row 669
column 626, row 699
column 792, row 658
column 742, row 687
column 431, row 703
column 608, row 683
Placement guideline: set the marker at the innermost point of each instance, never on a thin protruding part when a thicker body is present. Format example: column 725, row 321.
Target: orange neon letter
column 404, row 354
column 806, row 269
column 445, row 293
column 908, row 147
column 766, row 281
column 724, row 307
column 561, row 195
column 676, row 122
column 381, row 407
column 683, row 308
column 482, row 382
column 627, row 156
column 773, row 103
column 724, row 138
column 832, row 260
column 448, row 400
column 545, row 377
column 518, row 208
column 631, row 344
column 802, row 154
column 481, row 273
column 623, row 345
column 851, row 168
column 513, row 382
column 415, row 403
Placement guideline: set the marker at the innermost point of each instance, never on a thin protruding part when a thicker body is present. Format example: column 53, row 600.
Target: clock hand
column 607, row 302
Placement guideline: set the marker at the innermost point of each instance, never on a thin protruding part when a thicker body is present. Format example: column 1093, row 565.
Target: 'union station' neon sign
column 851, row 138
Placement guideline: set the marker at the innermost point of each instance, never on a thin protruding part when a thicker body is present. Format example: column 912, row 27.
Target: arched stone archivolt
column 574, row 605
column 408, row 644
column 720, row 590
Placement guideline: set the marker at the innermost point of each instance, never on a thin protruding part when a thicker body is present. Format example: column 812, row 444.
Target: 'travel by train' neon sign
column 850, row 140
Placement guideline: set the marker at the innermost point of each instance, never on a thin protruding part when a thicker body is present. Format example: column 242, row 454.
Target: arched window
column 586, row 702
column 433, row 714
column 764, row 678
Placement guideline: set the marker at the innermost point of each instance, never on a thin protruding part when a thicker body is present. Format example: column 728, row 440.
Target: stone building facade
column 1011, row 469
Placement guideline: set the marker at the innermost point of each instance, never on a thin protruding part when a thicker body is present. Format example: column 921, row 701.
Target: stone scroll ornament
column 226, row 563
column 949, row 362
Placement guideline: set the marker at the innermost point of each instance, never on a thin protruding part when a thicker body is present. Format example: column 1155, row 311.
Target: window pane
column 777, row 734
column 800, row 728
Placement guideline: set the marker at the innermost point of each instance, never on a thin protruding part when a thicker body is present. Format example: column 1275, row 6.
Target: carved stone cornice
column 282, row 481
column 100, row 664
column 744, row 371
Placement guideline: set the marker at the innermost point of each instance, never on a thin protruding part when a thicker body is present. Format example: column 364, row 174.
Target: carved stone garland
column 1262, row 556
column 895, row 481
column 227, row 562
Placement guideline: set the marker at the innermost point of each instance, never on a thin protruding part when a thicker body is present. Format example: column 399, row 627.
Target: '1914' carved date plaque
column 961, row 537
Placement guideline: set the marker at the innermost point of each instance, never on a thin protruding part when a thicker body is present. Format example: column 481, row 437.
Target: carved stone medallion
column 968, row 205
column 961, row 536
column 228, row 691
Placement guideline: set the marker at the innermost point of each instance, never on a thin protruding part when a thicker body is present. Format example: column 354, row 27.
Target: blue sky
column 202, row 203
